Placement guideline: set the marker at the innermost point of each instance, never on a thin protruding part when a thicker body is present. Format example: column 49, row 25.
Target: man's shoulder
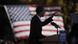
column 35, row 16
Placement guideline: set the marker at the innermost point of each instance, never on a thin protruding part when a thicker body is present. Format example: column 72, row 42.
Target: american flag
column 20, row 16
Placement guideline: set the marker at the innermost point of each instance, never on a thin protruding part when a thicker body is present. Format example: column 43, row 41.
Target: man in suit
column 36, row 26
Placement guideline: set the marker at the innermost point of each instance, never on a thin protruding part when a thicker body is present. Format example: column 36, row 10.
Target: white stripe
column 21, row 23
column 46, row 33
column 48, row 27
column 22, row 34
column 21, row 28
column 58, row 17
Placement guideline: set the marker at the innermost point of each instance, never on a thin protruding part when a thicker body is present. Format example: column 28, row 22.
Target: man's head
column 40, row 11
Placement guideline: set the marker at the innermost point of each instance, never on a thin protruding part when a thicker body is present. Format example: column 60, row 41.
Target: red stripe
column 22, row 31
column 23, row 37
column 29, row 25
column 21, row 25
column 56, row 20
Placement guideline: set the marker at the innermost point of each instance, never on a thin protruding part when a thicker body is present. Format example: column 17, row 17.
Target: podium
column 50, row 40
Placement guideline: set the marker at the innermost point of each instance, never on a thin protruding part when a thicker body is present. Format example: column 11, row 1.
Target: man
column 36, row 26
column 74, row 25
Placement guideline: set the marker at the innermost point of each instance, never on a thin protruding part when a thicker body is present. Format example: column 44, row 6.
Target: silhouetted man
column 36, row 26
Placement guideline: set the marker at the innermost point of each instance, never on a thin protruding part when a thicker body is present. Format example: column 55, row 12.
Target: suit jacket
column 36, row 27
column 6, row 32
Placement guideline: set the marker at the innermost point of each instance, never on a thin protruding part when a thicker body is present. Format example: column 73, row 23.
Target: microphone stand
column 57, row 36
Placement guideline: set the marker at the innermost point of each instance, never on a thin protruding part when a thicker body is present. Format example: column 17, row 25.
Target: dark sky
column 10, row 2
